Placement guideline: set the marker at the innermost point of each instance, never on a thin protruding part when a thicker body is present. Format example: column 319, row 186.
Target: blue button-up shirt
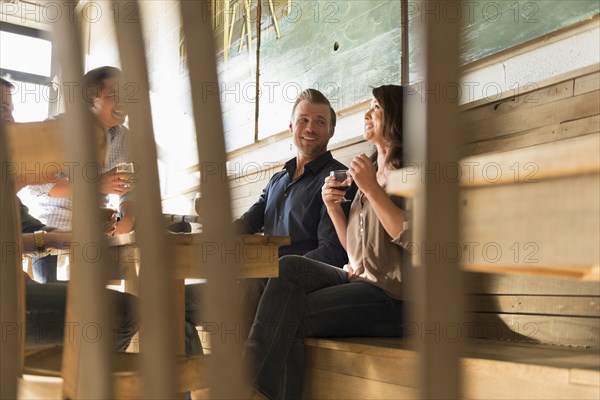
column 295, row 208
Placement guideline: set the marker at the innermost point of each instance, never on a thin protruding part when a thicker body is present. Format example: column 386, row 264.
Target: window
column 26, row 60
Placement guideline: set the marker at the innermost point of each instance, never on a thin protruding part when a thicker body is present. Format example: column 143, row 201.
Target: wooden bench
column 380, row 368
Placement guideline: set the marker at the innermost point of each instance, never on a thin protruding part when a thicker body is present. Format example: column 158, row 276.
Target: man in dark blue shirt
column 291, row 203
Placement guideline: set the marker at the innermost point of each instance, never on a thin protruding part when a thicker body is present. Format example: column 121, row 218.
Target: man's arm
column 30, row 224
column 253, row 220
column 54, row 240
column 62, row 189
column 330, row 250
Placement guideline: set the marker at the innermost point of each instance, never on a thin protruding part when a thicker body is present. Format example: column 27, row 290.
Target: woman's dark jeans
column 311, row 299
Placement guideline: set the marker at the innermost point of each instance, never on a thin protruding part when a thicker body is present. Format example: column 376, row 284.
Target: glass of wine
column 128, row 169
column 343, row 180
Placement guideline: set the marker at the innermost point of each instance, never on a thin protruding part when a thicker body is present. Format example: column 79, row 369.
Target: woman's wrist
column 334, row 208
column 372, row 191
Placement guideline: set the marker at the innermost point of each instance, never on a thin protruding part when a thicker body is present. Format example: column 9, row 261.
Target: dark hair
column 6, row 83
column 313, row 96
column 391, row 101
column 93, row 81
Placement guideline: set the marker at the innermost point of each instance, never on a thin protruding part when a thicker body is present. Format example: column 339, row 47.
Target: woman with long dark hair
column 312, row 299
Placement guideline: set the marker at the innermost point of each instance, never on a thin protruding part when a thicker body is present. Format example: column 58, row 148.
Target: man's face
column 311, row 129
column 6, row 111
column 106, row 106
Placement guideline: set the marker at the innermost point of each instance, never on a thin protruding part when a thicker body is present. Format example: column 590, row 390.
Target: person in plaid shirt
column 101, row 91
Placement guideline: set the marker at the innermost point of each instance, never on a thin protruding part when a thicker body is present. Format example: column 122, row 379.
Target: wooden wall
column 543, row 215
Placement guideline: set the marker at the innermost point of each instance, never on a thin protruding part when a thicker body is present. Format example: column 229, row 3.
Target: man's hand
column 125, row 225
column 109, row 216
column 112, row 182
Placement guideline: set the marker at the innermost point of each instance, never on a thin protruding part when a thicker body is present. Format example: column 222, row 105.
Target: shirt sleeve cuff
column 405, row 237
column 41, row 190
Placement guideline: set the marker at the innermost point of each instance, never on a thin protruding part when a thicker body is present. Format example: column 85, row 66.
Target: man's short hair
column 93, row 80
column 6, row 83
column 313, row 96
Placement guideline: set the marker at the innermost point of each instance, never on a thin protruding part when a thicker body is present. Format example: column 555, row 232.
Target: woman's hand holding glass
column 335, row 187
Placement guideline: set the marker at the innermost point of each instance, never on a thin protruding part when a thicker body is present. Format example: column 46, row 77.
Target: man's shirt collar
column 315, row 165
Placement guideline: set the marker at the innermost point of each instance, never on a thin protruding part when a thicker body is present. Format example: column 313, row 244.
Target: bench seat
column 388, row 368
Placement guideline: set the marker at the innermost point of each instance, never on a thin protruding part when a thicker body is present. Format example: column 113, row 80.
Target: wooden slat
column 370, row 365
column 331, row 385
column 257, row 256
column 156, row 282
column 514, row 141
column 566, row 271
column 249, row 189
column 531, row 165
column 569, row 157
column 587, row 83
column 520, row 102
column 546, row 134
column 486, row 283
column 39, row 387
column 190, row 372
column 11, row 288
column 545, row 305
column 227, row 375
column 400, row 349
column 38, row 161
column 346, row 154
column 491, row 369
column 585, row 105
column 87, row 299
column 440, row 290
column 549, row 224
column 581, row 126
column 487, row 379
column 557, row 330
column 528, row 88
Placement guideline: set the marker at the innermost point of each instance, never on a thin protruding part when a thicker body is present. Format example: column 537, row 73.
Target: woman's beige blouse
column 376, row 257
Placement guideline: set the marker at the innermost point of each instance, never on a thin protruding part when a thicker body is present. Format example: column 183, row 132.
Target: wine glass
column 343, row 180
column 128, row 169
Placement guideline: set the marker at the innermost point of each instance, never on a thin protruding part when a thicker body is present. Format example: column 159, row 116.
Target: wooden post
column 87, row 303
column 442, row 301
column 11, row 345
column 226, row 379
column 158, row 322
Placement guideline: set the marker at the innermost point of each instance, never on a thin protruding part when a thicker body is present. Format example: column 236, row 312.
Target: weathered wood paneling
column 548, row 223
column 502, row 284
column 490, row 370
column 535, row 328
column 519, row 120
column 585, row 306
